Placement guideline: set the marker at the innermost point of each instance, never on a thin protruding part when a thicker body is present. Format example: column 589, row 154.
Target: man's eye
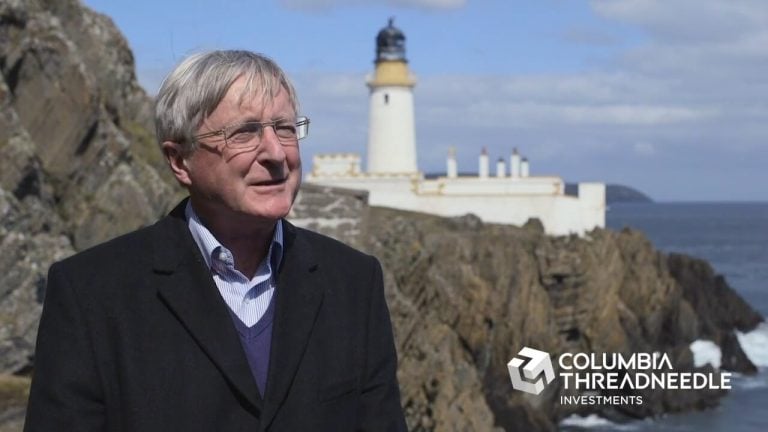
column 286, row 130
column 245, row 132
column 250, row 128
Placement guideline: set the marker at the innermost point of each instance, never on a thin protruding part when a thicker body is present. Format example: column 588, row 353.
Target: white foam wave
column 755, row 344
column 590, row 421
column 705, row 351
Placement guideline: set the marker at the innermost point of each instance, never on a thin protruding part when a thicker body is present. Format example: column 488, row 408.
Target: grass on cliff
column 14, row 391
column 145, row 147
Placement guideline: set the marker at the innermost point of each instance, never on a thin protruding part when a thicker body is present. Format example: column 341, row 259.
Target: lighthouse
column 391, row 131
column 392, row 179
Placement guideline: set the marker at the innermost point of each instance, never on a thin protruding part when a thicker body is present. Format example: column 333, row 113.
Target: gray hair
column 195, row 88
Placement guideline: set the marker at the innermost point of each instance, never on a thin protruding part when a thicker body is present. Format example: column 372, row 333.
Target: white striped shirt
column 247, row 298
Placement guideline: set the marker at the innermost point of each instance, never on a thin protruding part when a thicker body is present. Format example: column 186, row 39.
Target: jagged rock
column 25, row 260
column 74, row 146
column 720, row 309
column 468, row 222
column 733, row 357
column 498, row 288
column 534, row 225
column 719, row 306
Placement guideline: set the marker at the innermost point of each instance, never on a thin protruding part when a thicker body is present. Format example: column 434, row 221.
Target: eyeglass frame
column 300, row 121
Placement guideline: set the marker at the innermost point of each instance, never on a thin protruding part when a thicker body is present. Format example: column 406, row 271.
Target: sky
column 667, row 96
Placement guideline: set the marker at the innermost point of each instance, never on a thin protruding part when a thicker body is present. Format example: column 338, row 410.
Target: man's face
column 260, row 182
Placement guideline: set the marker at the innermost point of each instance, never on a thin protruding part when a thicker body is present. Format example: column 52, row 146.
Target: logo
column 536, row 362
column 589, row 378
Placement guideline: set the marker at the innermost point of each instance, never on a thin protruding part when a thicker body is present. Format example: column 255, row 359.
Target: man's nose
column 270, row 147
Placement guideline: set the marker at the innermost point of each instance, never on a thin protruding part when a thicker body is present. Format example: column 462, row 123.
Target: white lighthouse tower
column 391, row 131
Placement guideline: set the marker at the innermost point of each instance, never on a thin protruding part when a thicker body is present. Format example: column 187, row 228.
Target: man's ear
column 174, row 156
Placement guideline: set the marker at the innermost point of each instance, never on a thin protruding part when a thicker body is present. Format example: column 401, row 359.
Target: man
column 222, row 316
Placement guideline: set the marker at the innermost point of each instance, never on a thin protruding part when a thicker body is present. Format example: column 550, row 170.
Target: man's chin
column 269, row 209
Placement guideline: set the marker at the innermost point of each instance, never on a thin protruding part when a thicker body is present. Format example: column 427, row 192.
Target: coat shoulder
column 134, row 244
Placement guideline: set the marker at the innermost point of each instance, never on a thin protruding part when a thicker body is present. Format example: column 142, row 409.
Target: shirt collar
column 208, row 243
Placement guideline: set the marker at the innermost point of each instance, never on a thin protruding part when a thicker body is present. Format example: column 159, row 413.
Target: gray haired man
column 222, row 316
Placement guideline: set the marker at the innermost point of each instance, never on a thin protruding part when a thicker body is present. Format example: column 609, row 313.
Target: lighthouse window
column 386, row 98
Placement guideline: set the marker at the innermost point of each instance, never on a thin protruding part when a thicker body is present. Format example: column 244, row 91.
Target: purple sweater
column 256, row 341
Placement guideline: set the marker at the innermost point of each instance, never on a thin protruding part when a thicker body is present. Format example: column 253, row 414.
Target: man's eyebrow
column 252, row 118
column 247, row 119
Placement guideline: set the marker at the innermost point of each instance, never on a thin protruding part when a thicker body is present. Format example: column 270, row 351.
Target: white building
column 508, row 196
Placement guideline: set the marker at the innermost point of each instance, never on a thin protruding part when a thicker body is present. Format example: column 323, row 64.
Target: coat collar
column 190, row 293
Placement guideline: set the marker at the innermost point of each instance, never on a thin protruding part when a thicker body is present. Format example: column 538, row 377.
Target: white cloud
column 595, row 99
column 326, row 4
column 566, row 124
column 688, row 21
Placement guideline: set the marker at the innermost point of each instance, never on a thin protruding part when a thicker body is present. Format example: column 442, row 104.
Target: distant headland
column 615, row 193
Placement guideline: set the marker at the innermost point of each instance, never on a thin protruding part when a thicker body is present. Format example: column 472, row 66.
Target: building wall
column 493, row 186
column 592, row 198
column 339, row 164
column 560, row 214
column 504, row 201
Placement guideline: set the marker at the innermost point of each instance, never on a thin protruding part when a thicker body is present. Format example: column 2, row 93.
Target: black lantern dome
column 390, row 44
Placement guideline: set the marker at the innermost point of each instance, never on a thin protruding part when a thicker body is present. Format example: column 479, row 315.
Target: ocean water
column 733, row 237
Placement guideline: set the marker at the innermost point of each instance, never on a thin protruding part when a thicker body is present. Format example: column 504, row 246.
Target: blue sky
column 668, row 96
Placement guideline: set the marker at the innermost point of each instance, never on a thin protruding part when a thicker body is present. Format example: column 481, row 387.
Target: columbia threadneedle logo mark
column 533, row 364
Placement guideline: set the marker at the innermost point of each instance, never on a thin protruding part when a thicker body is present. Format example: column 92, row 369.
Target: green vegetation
column 143, row 144
column 14, row 391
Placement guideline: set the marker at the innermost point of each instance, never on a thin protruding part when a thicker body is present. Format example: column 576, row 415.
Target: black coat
column 135, row 337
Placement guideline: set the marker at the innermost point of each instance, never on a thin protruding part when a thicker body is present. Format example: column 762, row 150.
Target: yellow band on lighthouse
column 392, row 73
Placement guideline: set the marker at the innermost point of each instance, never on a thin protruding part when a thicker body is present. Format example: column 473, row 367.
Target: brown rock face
column 466, row 297
column 721, row 309
column 75, row 129
column 74, row 126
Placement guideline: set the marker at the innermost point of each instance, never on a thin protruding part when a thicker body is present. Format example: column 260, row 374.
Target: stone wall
column 339, row 213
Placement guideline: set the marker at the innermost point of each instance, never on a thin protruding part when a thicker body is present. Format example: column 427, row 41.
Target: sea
column 733, row 238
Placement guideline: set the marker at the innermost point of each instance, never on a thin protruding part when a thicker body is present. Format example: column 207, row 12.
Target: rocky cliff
column 77, row 161
column 465, row 297
column 78, row 165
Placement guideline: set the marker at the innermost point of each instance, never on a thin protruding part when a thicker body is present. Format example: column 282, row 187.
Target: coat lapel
column 190, row 293
column 298, row 297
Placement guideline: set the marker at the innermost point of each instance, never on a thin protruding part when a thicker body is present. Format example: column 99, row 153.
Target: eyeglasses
column 249, row 134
